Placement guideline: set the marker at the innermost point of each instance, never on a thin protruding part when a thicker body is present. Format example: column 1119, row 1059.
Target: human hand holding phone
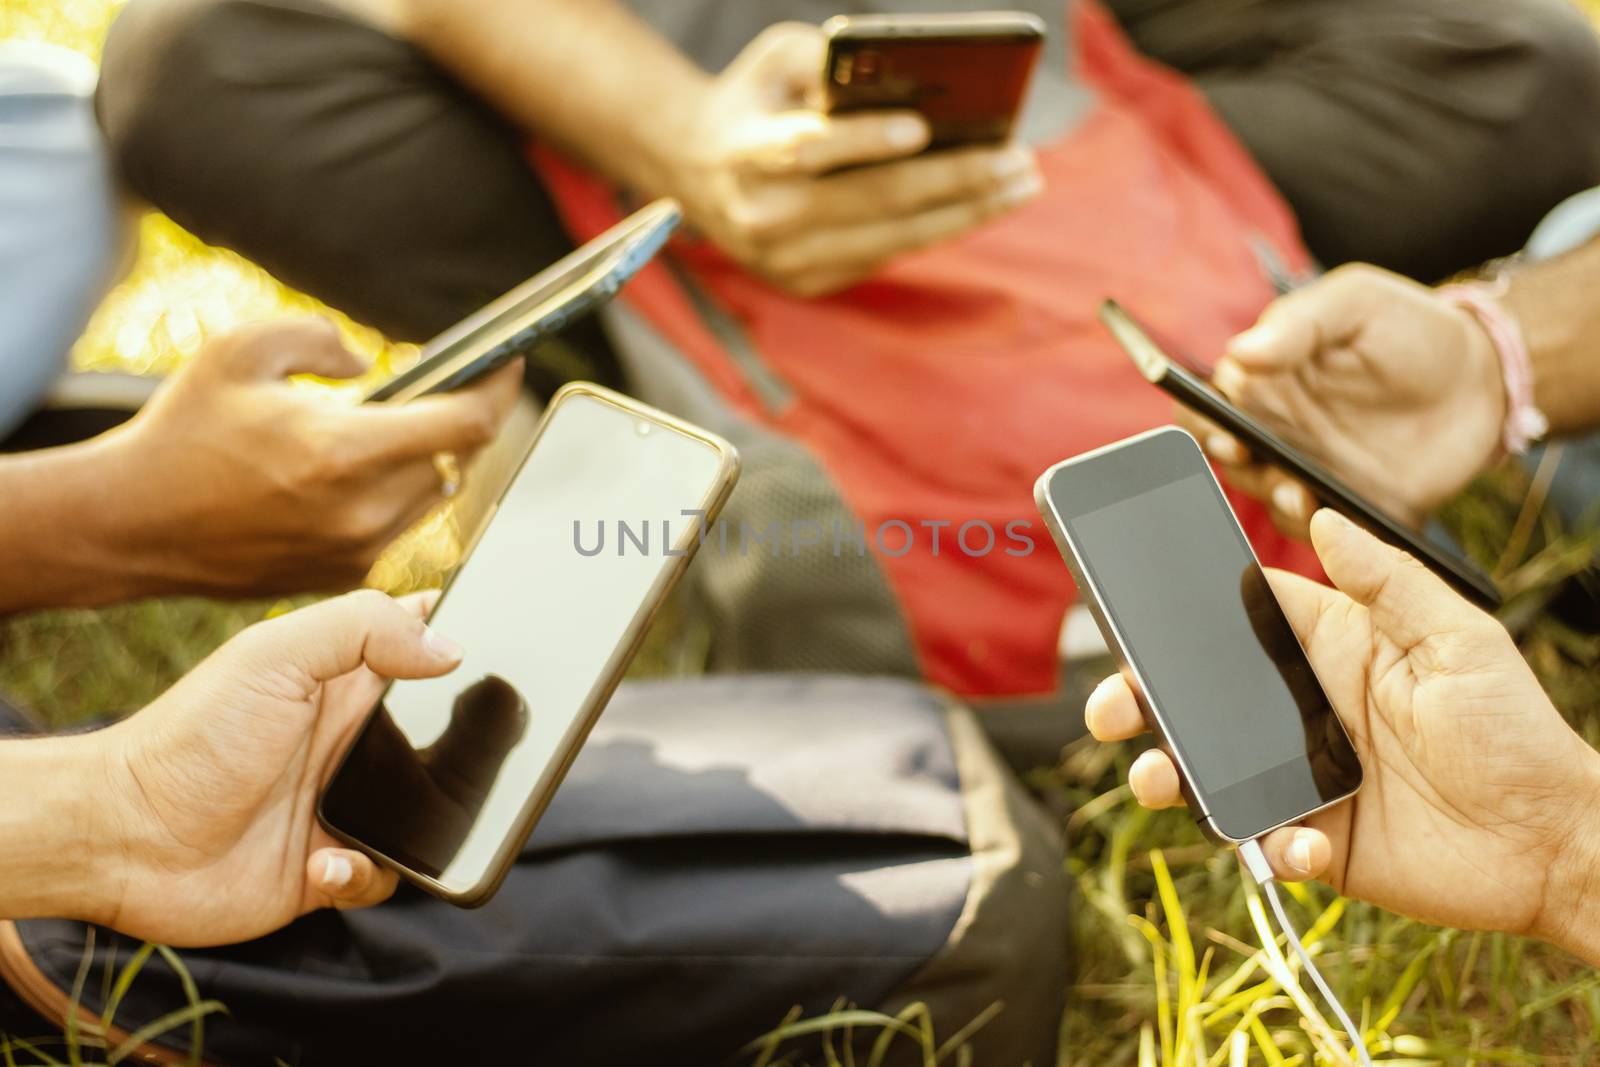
column 193, row 822
column 238, row 482
column 1398, row 391
column 1478, row 793
column 815, row 203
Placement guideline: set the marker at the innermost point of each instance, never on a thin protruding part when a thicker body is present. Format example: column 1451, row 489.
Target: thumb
column 272, row 351
column 319, row 643
column 809, row 142
column 782, row 66
column 1331, row 311
column 343, row 878
column 1408, row 602
column 1298, row 853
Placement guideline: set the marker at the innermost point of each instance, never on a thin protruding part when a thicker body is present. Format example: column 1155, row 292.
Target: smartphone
column 968, row 74
column 539, row 308
column 1184, row 381
column 449, row 775
column 1183, row 603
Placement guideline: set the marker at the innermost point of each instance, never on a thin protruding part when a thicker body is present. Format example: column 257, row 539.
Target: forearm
column 584, row 74
column 59, row 545
column 59, row 863
column 1557, row 305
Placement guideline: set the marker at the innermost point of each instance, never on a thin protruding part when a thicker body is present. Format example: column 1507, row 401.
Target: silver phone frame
column 1126, row 662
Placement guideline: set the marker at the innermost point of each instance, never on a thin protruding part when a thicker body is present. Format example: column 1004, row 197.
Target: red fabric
column 941, row 388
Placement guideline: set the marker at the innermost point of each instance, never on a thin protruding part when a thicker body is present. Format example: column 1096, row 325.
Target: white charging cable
column 1255, row 862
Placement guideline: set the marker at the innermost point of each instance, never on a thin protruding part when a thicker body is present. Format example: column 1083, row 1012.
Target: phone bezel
column 512, row 323
column 939, row 26
column 543, row 790
column 1176, row 379
column 1058, row 518
column 886, row 32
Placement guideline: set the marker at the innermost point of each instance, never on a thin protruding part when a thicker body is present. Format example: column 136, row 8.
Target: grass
column 1168, row 935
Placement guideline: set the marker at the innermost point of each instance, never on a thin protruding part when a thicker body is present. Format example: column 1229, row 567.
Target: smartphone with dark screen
column 1201, row 639
column 449, row 775
column 541, row 307
column 1186, row 383
column 968, row 74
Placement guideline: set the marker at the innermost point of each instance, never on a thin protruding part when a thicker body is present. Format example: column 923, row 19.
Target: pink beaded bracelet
column 1525, row 423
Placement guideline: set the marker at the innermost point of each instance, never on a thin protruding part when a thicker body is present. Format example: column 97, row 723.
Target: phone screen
column 1194, row 615
column 582, row 545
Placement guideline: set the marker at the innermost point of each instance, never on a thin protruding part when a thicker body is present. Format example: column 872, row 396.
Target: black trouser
column 1425, row 135
column 1422, row 135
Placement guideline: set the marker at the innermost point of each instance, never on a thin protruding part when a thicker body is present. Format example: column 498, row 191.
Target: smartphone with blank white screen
column 1201, row 639
column 449, row 775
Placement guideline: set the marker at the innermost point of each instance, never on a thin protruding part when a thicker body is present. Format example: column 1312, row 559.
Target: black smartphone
column 1183, row 603
column 539, row 308
column 968, row 74
column 449, row 775
column 1188, row 385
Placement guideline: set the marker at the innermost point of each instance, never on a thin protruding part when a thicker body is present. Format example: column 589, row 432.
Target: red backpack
column 923, row 403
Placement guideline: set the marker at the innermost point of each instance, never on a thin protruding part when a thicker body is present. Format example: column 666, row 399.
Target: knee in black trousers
column 336, row 156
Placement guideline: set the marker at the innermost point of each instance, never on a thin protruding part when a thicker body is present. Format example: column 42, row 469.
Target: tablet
column 1195, row 392
column 537, row 309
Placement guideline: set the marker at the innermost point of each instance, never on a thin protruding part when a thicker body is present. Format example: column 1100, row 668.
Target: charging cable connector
column 1255, row 862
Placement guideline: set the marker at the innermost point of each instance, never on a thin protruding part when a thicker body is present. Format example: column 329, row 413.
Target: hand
column 234, row 481
column 1477, row 793
column 756, row 173
column 207, row 821
column 1397, row 391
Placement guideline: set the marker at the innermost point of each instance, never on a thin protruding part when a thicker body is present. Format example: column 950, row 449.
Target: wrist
column 1569, row 916
column 64, row 856
column 1511, row 384
column 65, row 545
column 664, row 138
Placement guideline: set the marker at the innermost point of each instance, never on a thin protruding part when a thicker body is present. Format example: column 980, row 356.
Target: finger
column 1304, row 601
column 1217, row 443
column 1295, row 328
column 344, row 878
column 1408, row 602
column 783, row 64
column 876, row 242
column 1112, row 713
column 424, row 496
column 461, row 422
column 913, row 185
column 271, row 351
column 1290, row 502
column 1154, row 780
column 1297, row 853
column 420, row 603
column 332, row 638
column 812, row 143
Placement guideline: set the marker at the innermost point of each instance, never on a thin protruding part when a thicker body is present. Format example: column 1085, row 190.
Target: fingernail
column 1289, row 500
column 337, row 871
column 1223, row 447
column 1024, row 188
column 903, row 132
column 1337, row 518
column 1253, row 339
column 1299, row 854
column 440, row 645
column 1013, row 162
column 1227, row 377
